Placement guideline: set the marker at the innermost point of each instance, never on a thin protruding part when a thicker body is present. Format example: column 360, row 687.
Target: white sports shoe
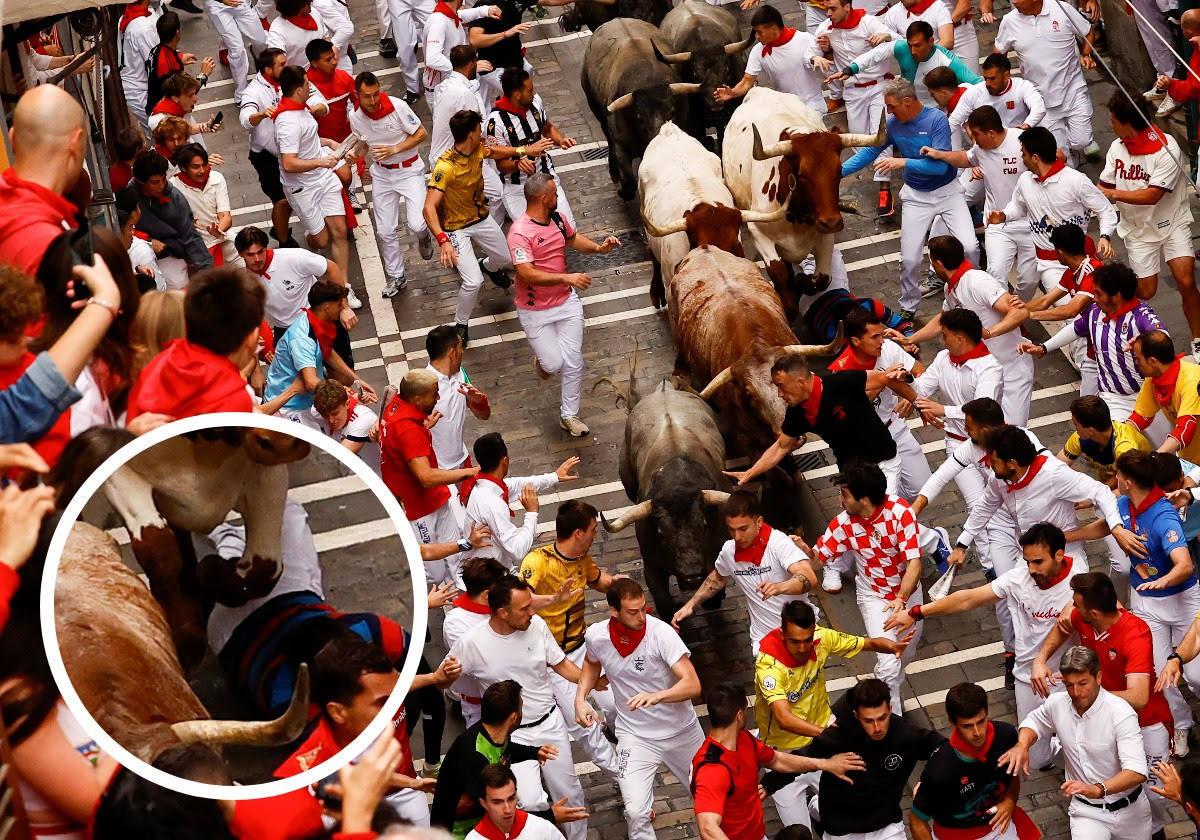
column 1167, row 107
column 353, row 300
column 1154, row 94
column 831, row 580
column 1179, row 745
column 574, row 426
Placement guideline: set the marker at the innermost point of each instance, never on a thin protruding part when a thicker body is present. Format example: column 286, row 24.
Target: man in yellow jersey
column 791, row 704
column 1099, row 440
column 1171, row 386
column 559, row 573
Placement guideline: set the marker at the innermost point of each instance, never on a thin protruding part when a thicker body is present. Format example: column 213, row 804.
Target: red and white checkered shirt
column 883, row 545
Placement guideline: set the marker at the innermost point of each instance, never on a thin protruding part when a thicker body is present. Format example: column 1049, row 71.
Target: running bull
column 595, row 13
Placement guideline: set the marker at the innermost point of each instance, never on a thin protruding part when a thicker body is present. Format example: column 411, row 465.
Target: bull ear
column 739, row 46
column 672, row 58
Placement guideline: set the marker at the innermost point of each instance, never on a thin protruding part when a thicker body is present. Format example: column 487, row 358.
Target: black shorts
column 267, row 167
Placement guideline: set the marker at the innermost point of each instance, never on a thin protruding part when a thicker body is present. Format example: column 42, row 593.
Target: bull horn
column 817, row 349
column 714, row 497
column 620, row 102
column 773, row 151
column 605, row 2
column 738, row 46
column 718, row 381
column 776, row 215
column 684, row 88
column 670, row 58
column 635, row 514
column 852, row 141
column 654, row 230
column 261, row 733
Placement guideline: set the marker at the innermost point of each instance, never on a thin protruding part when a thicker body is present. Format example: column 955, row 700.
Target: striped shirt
column 1110, row 335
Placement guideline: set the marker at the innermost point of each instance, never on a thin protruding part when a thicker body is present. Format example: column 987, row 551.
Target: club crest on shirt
column 892, row 762
column 527, row 573
column 1172, row 535
column 520, row 254
column 793, row 696
column 769, row 683
column 1054, row 25
column 1112, row 654
column 639, row 663
column 308, row 759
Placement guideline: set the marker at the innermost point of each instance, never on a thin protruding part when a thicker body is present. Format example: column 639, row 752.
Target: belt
column 953, row 436
column 543, row 718
column 475, row 700
column 1113, row 806
column 1046, row 253
column 865, row 84
column 404, row 164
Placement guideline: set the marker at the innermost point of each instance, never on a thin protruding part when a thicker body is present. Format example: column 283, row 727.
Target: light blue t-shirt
column 296, row 349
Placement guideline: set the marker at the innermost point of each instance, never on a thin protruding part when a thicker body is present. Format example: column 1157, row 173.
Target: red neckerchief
column 812, row 405
column 851, row 359
column 1164, row 384
column 288, row 104
column 1146, row 142
column 169, row 61
column 162, row 150
column 468, row 484
column 59, row 204
column 306, row 22
column 974, row 753
column 444, row 9
column 191, row 182
column 753, row 553
column 506, row 104
column 958, row 275
column 920, row 8
column 1030, row 473
column 772, row 645
column 323, row 331
column 274, row 84
column 1124, row 309
column 784, row 37
column 333, row 85
column 1135, row 510
column 1055, row 168
column 625, row 640
column 166, row 105
column 385, row 107
column 852, row 20
column 132, row 12
column 267, row 264
column 1062, row 573
column 159, row 199
column 977, row 352
column 486, row 828
column 953, row 103
column 145, row 237
column 464, row 602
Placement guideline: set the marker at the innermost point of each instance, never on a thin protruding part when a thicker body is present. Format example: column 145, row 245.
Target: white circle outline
column 419, row 622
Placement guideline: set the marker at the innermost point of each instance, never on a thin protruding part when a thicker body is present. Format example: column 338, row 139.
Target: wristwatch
column 1175, row 655
column 464, row 545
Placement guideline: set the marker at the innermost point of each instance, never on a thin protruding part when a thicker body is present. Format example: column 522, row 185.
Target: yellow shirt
column 777, row 676
column 1102, row 459
column 1185, row 401
column 546, row 570
column 459, row 177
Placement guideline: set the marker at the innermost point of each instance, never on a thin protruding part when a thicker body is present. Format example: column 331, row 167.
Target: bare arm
column 428, row 476
column 294, row 164
column 710, row 826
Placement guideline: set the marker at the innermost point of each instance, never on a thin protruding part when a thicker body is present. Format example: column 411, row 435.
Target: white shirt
column 789, row 68
column 781, row 554
column 442, row 34
column 898, row 19
column 959, row 384
column 395, row 128
column 142, row 254
column 296, row 134
column 207, row 203
column 969, row 455
column 139, row 38
column 259, row 95
column 523, row 655
column 1066, row 196
column 1002, row 167
column 1034, row 611
column 485, row 506
column 646, row 669
column 1098, row 744
column 292, row 272
column 536, row 828
column 1126, row 171
column 290, row 38
column 336, row 16
column 1019, row 104
column 978, row 291
column 358, row 429
column 455, row 93
column 448, row 443
column 849, row 44
column 458, row 623
column 1048, row 49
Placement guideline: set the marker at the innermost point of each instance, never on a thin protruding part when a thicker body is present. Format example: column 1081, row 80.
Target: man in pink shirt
column 548, row 305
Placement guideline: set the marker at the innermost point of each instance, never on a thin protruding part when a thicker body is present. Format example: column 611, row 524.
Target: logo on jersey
column 769, row 683
column 1172, row 535
column 520, row 255
column 639, row 664
column 527, row 573
column 1054, row 25
column 1112, row 654
column 793, row 696
column 892, row 762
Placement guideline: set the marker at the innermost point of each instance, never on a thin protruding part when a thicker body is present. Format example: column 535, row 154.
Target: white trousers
column 895, row 831
column 1045, row 750
column 1157, row 741
column 792, row 800
column 1169, row 619
column 556, row 338
column 493, row 193
column 921, row 209
column 411, row 805
column 592, row 738
column 391, row 188
column 513, row 196
column 638, row 759
column 558, row 773
column 1151, row 20
column 875, row 611
column 1009, row 248
column 914, row 465
column 1071, row 123
column 441, row 526
column 1004, row 553
column 892, row 468
column 408, row 29
column 488, row 236
column 966, row 45
column 1018, row 389
column 236, row 26
column 864, row 107
column 174, row 271
column 1130, row 823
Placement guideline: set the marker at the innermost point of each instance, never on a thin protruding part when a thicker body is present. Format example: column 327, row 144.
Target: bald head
column 47, row 122
column 1191, row 23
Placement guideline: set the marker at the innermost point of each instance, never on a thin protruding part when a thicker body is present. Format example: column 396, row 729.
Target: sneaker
column 887, row 205
column 909, row 315
column 835, row 106
column 574, row 426
column 1154, row 94
column 500, row 279
column 186, row 6
column 352, row 299
column 932, row 285
column 941, row 553
column 463, row 333
column 1092, row 151
column 1179, row 746
column 355, row 202
column 388, row 48
column 290, row 243
column 410, row 98
column 831, row 580
column 430, row 771
column 539, row 370
column 1010, row 681
column 394, row 286
column 352, row 55
column 1167, row 107
column 425, row 246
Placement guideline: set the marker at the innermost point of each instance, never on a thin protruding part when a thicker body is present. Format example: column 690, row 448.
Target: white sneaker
column 1167, row 107
column 1179, row 745
column 394, row 285
column 574, row 426
column 1092, row 151
column 352, row 299
column 355, row 202
column 1154, row 94
column 831, row 580
column 932, row 285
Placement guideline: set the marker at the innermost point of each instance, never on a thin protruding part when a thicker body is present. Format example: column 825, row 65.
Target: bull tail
column 622, row 398
column 635, row 393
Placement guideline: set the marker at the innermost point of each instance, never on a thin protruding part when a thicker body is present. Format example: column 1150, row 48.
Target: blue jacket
column 32, row 404
column 928, row 128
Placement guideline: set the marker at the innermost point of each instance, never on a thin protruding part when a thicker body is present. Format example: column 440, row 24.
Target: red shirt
column 186, row 379
column 730, row 788
column 1126, row 648
column 339, row 92
column 402, row 437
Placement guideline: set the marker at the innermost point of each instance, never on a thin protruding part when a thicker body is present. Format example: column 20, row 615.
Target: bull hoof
column 569, row 23
column 221, row 581
column 627, row 194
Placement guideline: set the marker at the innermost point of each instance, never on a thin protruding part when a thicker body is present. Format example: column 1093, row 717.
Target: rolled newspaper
column 942, row 588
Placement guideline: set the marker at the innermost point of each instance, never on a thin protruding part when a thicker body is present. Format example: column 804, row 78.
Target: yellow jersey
column 1183, row 402
column 779, row 676
column 1102, row 459
column 546, row 570
column 459, row 178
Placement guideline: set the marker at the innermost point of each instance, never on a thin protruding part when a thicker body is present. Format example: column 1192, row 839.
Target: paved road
column 619, row 313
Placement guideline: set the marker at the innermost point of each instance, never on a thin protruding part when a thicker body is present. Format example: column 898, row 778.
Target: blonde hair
column 171, row 126
column 417, row 382
column 159, row 319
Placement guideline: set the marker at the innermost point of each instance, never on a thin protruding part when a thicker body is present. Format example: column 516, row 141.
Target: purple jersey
column 1110, row 335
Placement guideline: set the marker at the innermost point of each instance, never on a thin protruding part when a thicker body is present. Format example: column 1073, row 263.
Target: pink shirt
column 545, row 247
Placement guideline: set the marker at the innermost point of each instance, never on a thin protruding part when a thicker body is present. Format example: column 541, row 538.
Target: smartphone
column 216, row 120
column 81, row 249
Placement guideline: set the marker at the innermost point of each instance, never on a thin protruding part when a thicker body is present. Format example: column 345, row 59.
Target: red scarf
column 506, row 104
column 145, row 237
column 166, row 105
column 468, row 484
column 274, row 84
column 488, row 829
column 974, row 753
column 385, row 107
column 288, row 104
column 784, row 37
column 772, row 645
column 852, row 20
column 1124, row 309
column 464, row 602
column 952, row 283
column 267, row 264
column 1146, row 142
column 323, row 331
column 1030, row 473
column 921, row 8
column 444, row 9
column 191, row 182
column 1163, row 385
column 754, row 552
column 953, row 103
column 625, row 640
column 306, row 22
column 1055, row 168
column 132, row 12
column 1136, row 510
column 56, row 202
column 1062, row 573
column 851, row 359
column 977, row 352
column 185, row 380
column 812, row 405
